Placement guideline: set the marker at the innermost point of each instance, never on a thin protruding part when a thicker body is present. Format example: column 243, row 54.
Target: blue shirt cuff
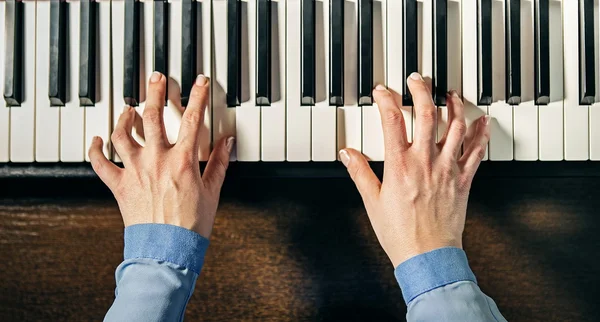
column 164, row 242
column 428, row 271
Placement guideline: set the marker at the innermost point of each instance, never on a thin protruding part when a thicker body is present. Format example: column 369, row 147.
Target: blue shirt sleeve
column 158, row 274
column 440, row 286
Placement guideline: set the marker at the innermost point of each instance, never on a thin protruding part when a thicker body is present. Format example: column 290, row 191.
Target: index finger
column 193, row 117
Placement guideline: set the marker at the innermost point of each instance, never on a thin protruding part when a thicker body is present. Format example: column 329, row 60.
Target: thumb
column 364, row 178
column 217, row 164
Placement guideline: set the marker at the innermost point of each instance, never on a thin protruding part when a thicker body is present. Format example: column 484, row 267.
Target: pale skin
column 419, row 206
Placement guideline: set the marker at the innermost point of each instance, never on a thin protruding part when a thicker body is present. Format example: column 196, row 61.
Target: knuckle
column 464, row 183
column 480, row 152
column 187, row 157
column 97, row 165
column 428, row 114
column 358, row 172
column 392, row 117
column 152, row 115
column 460, row 127
column 192, row 117
column 486, row 136
column 119, row 136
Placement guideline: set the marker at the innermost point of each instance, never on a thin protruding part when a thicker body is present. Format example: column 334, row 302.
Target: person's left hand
column 161, row 182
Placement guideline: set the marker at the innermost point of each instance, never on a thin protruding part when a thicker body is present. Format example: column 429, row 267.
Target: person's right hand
column 422, row 203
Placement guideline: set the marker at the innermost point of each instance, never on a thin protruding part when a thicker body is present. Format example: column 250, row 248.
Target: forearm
column 157, row 277
column 440, row 286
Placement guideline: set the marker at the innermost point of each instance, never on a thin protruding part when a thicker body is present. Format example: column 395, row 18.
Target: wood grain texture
column 302, row 250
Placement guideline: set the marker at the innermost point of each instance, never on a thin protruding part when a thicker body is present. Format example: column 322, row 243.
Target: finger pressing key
column 426, row 112
column 121, row 137
column 193, row 117
column 457, row 126
column 154, row 125
column 392, row 121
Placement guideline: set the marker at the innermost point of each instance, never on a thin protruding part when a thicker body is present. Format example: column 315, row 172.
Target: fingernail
column 416, row 76
column 380, row 87
column 487, row 119
column 201, row 80
column 345, row 157
column 230, row 142
column 156, row 76
column 95, row 139
column 126, row 108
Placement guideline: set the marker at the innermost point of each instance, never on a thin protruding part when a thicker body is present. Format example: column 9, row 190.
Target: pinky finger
column 475, row 152
column 108, row 172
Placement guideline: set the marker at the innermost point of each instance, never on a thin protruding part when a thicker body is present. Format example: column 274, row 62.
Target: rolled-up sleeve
column 440, row 286
column 157, row 277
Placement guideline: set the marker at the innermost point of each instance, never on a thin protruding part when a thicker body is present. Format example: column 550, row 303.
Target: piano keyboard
column 292, row 79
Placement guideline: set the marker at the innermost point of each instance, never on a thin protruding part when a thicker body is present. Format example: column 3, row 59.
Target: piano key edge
column 249, row 170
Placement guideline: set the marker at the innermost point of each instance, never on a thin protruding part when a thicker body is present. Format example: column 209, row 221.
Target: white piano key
column 298, row 118
column 575, row 116
column 248, row 114
column 4, row 111
column 47, row 118
column 117, row 45
column 373, row 147
column 501, row 141
column 525, row 115
column 146, row 64
column 454, row 45
column 72, row 116
column 469, row 65
column 98, row 117
column 224, row 118
column 273, row 117
column 425, row 41
column 395, row 51
column 349, row 116
column 22, row 119
column 204, row 67
column 551, row 116
column 595, row 108
column 323, row 116
column 174, row 109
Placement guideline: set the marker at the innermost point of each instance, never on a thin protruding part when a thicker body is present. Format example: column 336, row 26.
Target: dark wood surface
column 295, row 250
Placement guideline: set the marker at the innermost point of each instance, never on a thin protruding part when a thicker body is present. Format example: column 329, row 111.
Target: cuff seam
column 441, row 284
column 431, row 270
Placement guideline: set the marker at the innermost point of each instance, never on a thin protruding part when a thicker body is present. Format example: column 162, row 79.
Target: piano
column 292, row 79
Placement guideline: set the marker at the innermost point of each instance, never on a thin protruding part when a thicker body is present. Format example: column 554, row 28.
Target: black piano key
column 513, row 52
column 234, row 58
column 365, row 52
column 484, row 54
column 587, row 81
column 87, row 53
column 13, row 59
column 410, row 44
column 308, row 62
column 336, row 53
column 161, row 38
column 440, row 52
column 542, row 52
column 188, row 48
column 58, row 67
column 263, row 53
column 131, row 54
